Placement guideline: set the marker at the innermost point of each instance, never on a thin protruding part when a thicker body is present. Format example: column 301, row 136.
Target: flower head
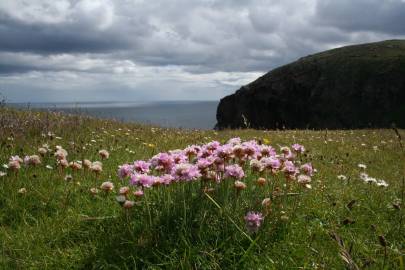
column 96, row 167
column 253, row 221
column 185, row 172
column 107, row 186
column 124, row 171
column 128, row 204
column 138, row 193
column 234, row 171
column 298, row 148
column 261, row 181
column 239, row 185
column 307, row 169
column 104, row 154
column 124, row 190
column 143, row 180
column 14, row 165
column 141, row 166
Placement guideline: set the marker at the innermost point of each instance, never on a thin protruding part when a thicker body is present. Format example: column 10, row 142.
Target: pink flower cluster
column 214, row 161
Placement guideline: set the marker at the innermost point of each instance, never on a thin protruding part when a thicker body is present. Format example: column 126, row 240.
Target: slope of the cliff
column 350, row 87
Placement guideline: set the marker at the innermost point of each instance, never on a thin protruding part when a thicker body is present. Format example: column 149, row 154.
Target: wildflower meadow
column 84, row 193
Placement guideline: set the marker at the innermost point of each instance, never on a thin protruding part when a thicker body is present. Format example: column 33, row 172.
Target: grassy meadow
column 59, row 218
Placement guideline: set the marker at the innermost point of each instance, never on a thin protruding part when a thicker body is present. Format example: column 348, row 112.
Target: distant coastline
column 177, row 114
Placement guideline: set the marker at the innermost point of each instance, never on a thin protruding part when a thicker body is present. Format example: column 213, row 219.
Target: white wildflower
column 362, row 166
column 342, row 177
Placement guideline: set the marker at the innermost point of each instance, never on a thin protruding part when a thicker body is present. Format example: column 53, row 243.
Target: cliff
column 356, row 86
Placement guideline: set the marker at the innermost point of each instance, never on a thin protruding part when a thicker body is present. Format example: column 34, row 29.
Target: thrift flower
column 143, row 180
column 298, row 148
column 87, row 164
column 253, row 221
column 266, row 202
column 104, row 154
column 141, row 166
column 234, row 171
column 124, row 190
column 124, row 171
column 107, row 186
column 185, row 172
column 14, row 165
column 63, row 163
column 307, row 169
column 61, row 154
column 261, row 181
column 128, row 204
column 75, row 165
column 42, row 151
column 96, row 167
column 239, row 185
column 138, row 193
column 303, row 179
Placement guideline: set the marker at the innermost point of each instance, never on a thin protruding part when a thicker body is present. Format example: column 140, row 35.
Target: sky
column 141, row 50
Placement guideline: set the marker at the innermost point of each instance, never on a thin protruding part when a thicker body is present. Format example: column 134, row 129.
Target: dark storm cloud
column 363, row 15
column 51, row 39
column 162, row 45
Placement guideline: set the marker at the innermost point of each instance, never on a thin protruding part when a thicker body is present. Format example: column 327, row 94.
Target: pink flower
column 298, row 148
column 256, row 165
column 185, row 172
column 267, row 150
column 212, row 145
column 104, row 154
column 16, row 158
column 143, row 180
column 124, row 190
column 289, row 168
column 167, row 179
column 271, row 163
column 162, row 161
column 128, row 204
column 224, row 152
column 14, row 165
column 253, row 221
column 178, row 156
column 234, row 141
column 234, row 171
column 124, row 171
column 239, row 185
column 107, row 186
column 138, row 193
column 141, row 166
column 307, row 169
column 250, row 148
column 204, row 163
column 192, row 150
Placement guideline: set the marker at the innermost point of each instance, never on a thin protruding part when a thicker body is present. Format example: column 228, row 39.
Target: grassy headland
column 49, row 218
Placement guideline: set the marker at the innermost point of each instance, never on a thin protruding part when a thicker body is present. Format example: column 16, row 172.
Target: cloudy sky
column 105, row 50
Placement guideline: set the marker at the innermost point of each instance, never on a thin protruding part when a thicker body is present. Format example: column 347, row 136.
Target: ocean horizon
column 175, row 114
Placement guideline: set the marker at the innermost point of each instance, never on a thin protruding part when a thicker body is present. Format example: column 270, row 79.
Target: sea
column 176, row 114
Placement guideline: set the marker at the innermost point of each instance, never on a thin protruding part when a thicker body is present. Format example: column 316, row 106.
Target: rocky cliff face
column 351, row 87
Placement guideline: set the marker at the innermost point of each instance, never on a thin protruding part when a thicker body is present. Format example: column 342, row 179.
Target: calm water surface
column 179, row 114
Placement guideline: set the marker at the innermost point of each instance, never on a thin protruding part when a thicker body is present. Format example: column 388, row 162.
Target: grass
column 57, row 224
